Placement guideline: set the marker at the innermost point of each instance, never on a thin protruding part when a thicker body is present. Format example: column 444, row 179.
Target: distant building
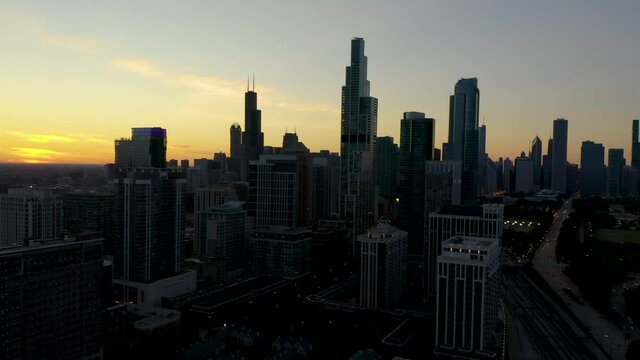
column 592, row 169
column 147, row 147
column 635, row 145
column 386, row 167
column 326, row 186
column 227, row 240
column 572, row 178
column 559, row 156
column 615, row 173
column 51, row 300
column 536, row 156
column 484, row 221
column 546, row 166
column 507, row 176
column 469, row 292
column 29, row 214
column 442, row 184
column 283, row 253
column 90, row 212
column 252, row 137
column 204, row 199
column 524, row 174
column 382, row 265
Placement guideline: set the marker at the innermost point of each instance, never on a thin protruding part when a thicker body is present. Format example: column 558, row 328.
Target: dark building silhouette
column 615, row 173
column 559, row 156
column 90, row 212
column 252, row 137
column 147, row 147
column 536, row 156
column 592, row 169
column 635, row 145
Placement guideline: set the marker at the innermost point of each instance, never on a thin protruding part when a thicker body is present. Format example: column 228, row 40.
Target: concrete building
column 442, row 184
column 227, row 240
column 284, row 253
column 51, row 300
column 615, row 173
column 359, row 127
column 559, row 156
column 468, row 293
column 382, row 265
column 29, row 214
column 524, row 174
column 484, row 221
column 592, row 169
column 147, row 147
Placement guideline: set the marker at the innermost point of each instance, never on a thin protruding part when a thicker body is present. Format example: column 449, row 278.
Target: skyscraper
column 235, row 143
column 29, row 214
column 204, row 199
column 227, row 239
column 468, row 287
column 442, row 184
column 524, row 173
column 386, row 167
column 559, row 156
column 90, row 212
column 536, row 157
column 359, row 119
column 635, row 145
column 416, row 147
column 382, row 265
column 147, row 147
column 326, row 186
column 615, row 172
column 546, row 166
column 463, row 135
column 252, row 137
column 592, row 170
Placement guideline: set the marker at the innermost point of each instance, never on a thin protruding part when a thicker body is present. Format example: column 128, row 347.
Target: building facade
column 524, row 174
column 29, row 214
column 204, row 199
column 285, row 253
column 227, row 240
column 442, row 184
column 559, row 156
column 615, row 173
column 147, row 147
column 592, row 169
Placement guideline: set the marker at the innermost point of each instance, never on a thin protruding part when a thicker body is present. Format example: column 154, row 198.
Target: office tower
column 29, row 214
column 635, row 145
column 469, row 292
column 359, row 121
column 442, row 184
column 51, row 300
column 90, row 212
column 227, row 238
column 559, row 156
column 326, row 186
column 386, row 167
column 592, row 170
column 204, row 199
column 524, row 173
column 235, row 141
column 281, row 252
column 304, row 168
column 463, row 135
column 615, row 172
column 499, row 171
column 482, row 141
column 476, row 221
column 536, row 156
column 289, row 139
column 483, row 159
column 147, row 147
column 416, row 147
column 252, row 137
column 546, row 165
column 203, row 173
column 491, row 181
column 273, row 190
column 382, row 265
column 507, row 175
column 572, row 178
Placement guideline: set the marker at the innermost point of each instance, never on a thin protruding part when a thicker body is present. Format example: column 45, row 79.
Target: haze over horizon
column 77, row 76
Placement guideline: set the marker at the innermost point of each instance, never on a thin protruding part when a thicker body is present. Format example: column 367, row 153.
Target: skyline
column 79, row 79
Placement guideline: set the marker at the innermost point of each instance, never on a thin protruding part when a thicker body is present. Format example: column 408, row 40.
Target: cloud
column 139, row 66
column 210, row 85
column 35, row 154
column 77, row 43
column 42, row 138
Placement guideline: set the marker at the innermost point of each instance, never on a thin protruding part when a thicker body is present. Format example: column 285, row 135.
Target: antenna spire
column 247, row 82
column 254, row 82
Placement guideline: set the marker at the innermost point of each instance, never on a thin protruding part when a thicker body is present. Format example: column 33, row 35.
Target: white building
column 382, row 260
column 468, row 289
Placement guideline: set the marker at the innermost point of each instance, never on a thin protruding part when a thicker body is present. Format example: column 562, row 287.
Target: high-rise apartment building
column 592, row 169
column 536, row 156
column 147, row 147
column 468, row 297
column 359, row 122
column 381, row 254
column 416, row 147
column 227, row 239
column 204, row 199
column 442, row 184
column 29, row 214
column 524, row 173
column 615, row 173
column 559, row 156
column 484, row 221
column 51, row 300
column 463, row 138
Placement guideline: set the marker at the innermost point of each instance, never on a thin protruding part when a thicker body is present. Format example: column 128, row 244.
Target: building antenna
column 247, row 82
column 254, row 82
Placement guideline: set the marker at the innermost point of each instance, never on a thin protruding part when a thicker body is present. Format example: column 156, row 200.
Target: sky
column 75, row 75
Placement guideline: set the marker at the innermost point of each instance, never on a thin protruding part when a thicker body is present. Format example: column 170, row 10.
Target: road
column 608, row 335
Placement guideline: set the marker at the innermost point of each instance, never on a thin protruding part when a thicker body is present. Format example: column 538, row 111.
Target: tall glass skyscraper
column 559, row 156
column 536, row 156
column 464, row 106
column 147, row 147
column 359, row 122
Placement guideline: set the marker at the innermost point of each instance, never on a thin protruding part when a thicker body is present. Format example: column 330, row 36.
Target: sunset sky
column 75, row 75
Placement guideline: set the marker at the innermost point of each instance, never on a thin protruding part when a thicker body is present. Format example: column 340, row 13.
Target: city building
column 304, row 177
column 546, row 166
column 463, row 139
column 507, row 176
column 252, row 137
column 468, row 297
column 559, row 156
column 281, row 252
column 204, row 199
column 326, row 186
column 51, row 300
column 442, row 184
column 227, row 240
column 382, row 265
column 29, row 214
column 484, row 221
column 615, row 173
column 359, row 122
column 483, row 159
column 635, row 145
column 524, row 174
column 592, row 169
column 386, row 167
column 90, row 212
column 536, row 156
column 416, row 147
column 147, row 147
